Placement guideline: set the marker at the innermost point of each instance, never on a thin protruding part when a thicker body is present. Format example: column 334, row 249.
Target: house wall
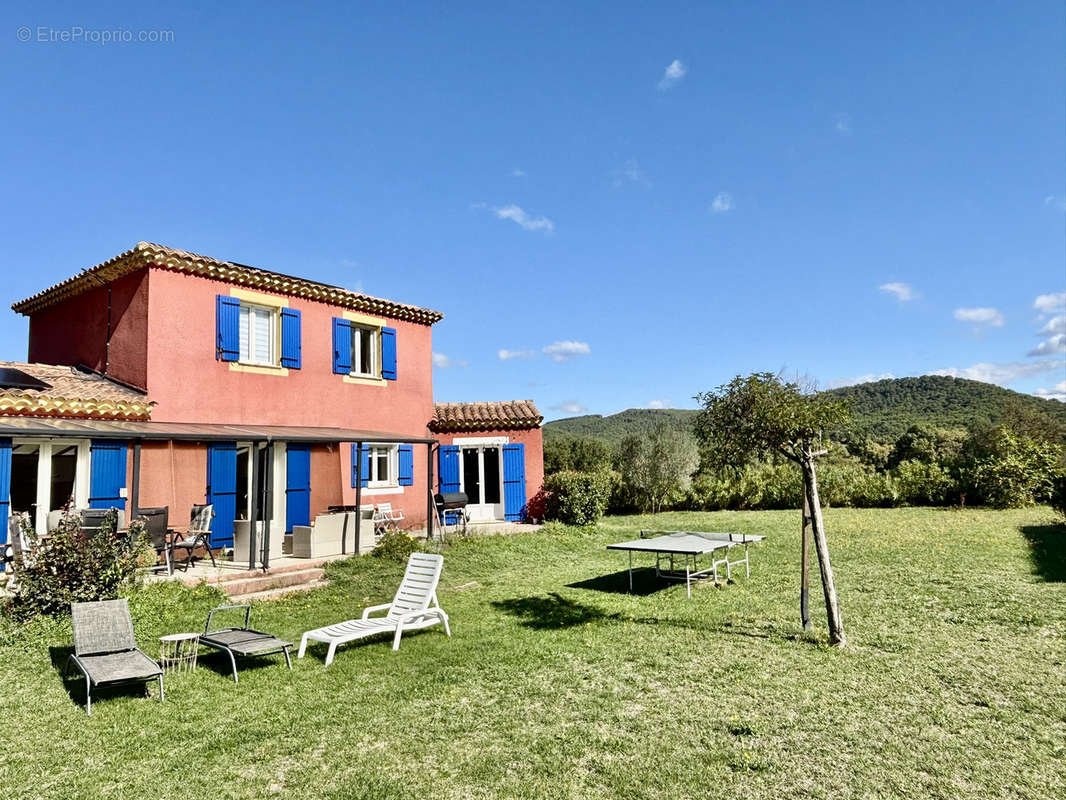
column 532, row 438
column 75, row 331
column 190, row 385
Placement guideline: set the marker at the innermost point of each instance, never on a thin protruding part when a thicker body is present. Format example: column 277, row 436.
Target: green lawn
column 556, row 684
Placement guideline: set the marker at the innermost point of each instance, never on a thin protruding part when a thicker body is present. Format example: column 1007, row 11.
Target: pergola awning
column 58, row 428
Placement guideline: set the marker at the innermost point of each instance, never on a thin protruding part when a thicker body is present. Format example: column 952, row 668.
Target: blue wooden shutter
column 227, row 328
column 361, row 464
column 222, row 491
column 342, row 346
column 107, row 474
column 5, row 491
column 290, row 338
column 297, row 485
column 514, row 482
column 388, row 354
column 448, row 467
column 407, row 464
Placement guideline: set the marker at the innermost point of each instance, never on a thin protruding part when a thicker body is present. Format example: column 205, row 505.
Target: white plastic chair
column 415, row 606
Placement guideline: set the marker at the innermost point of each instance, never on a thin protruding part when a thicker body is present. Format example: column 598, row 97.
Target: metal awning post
column 357, row 471
column 268, row 503
column 135, row 491
column 430, row 508
column 253, row 497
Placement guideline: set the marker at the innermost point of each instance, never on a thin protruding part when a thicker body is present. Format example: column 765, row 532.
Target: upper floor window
column 366, row 358
column 258, row 335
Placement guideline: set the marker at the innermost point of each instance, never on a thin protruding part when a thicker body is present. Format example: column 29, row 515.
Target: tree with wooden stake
column 752, row 417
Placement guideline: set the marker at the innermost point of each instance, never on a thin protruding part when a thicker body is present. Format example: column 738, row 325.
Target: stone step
column 229, row 574
column 273, row 594
column 261, row 583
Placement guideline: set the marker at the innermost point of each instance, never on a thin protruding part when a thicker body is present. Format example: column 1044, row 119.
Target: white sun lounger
column 415, row 606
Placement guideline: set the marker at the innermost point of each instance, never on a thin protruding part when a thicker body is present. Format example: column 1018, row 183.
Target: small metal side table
column 178, row 651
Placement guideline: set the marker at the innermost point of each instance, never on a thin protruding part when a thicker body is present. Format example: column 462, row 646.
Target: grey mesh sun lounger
column 688, row 546
column 243, row 641
column 105, row 651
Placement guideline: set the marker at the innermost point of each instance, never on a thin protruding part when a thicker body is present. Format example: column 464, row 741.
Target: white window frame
column 375, row 350
column 392, row 480
column 273, row 359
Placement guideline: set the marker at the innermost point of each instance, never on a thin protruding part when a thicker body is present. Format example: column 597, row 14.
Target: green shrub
column 924, row 483
column 1016, row 472
column 396, row 546
column 578, row 498
column 70, row 565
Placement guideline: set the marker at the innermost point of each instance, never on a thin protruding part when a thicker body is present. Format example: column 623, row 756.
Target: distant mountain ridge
column 882, row 410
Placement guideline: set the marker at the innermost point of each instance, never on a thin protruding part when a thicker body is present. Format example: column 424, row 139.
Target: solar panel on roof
column 11, row 378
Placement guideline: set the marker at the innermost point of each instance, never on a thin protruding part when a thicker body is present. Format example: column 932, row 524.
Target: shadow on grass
column 1047, row 548
column 553, row 612
column 644, row 582
column 218, row 662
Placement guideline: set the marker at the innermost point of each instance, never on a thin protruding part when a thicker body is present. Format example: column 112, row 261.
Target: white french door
column 481, row 478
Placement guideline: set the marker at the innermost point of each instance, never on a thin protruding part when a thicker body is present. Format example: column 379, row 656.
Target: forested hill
column 882, row 410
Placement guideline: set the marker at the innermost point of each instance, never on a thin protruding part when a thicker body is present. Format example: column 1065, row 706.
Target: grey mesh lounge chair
column 243, row 641
column 156, row 521
column 198, row 534
column 105, row 651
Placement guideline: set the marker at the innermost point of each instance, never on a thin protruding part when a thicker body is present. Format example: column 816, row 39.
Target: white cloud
column 630, row 172
column 842, row 123
column 1054, row 325
column 518, row 173
column 1050, row 303
column 1002, row 374
column 674, row 73
column 659, row 404
column 443, row 361
column 980, row 316
column 902, row 291
column 564, row 351
column 527, row 222
column 570, row 407
column 1055, row 344
column 723, row 202
column 1057, row 392
column 1053, row 201
column 867, row 378
column 507, row 355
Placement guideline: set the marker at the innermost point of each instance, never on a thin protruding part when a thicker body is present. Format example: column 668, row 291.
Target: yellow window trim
column 365, row 380
column 258, row 369
column 363, row 319
column 259, row 299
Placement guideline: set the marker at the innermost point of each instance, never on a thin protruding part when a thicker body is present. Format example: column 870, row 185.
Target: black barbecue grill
column 451, row 506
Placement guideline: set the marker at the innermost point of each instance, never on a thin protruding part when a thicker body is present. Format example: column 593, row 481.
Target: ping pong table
column 689, row 545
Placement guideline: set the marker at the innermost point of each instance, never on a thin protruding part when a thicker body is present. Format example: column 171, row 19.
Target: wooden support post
column 805, row 561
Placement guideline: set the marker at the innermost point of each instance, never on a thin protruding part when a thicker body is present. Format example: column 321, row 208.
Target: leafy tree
column 752, row 417
column 1017, row 471
column 657, row 469
column 929, row 445
column 575, row 453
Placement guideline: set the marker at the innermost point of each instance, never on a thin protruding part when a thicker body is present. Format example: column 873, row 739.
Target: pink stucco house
column 162, row 377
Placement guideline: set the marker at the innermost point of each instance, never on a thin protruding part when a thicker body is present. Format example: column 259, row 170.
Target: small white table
column 178, row 651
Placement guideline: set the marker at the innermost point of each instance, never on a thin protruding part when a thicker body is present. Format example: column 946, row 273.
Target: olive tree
column 657, row 467
column 758, row 415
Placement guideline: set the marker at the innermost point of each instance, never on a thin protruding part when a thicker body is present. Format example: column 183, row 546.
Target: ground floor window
column 383, row 466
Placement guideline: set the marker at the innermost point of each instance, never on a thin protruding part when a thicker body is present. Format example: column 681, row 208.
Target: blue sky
column 615, row 205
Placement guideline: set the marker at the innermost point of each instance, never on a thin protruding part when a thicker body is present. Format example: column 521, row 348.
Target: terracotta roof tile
column 485, row 416
column 71, row 392
column 146, row 254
